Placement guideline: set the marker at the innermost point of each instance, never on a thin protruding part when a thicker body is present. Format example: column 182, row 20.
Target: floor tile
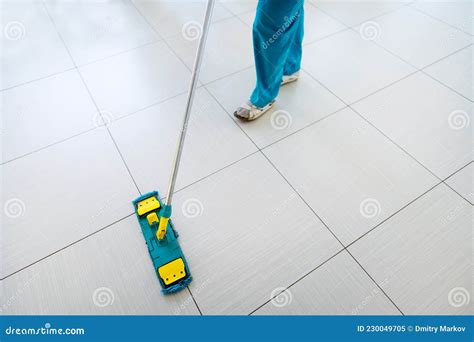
column 455, row 71
column 43, row 112
column 31, row 47
column 93, row 30
column 354, row 12
column 417, row 38
column 422, row 256
column 350, row 174
column 317, row 24
column 352, row 67
column 213, row 142
column 240, row 6
column 172, row 17
column 243, row 239
column 427, row 119
column 297, row 105
column 456, row 13
column 462, row 182
column 60, row 194
column 338, row 287
column 93, row 271
column 136, row 79
column 223, row 56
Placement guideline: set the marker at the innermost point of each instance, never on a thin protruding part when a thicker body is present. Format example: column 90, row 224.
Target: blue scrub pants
column 277, row 43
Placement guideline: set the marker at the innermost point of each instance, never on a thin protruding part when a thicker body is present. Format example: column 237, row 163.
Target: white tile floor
column 352, row 196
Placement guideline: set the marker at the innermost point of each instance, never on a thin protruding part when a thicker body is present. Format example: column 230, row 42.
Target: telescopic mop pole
column 166, row 212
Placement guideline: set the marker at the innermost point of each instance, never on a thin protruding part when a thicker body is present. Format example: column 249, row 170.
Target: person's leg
column 277, row 30
column 293, row 61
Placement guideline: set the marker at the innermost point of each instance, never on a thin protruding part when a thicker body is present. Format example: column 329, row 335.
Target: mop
column 154, row 216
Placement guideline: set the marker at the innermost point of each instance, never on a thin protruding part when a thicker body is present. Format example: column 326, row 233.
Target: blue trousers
column 277, row 42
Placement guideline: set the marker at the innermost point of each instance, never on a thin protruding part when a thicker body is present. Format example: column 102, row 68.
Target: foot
column 290, row 78
column 249, row 111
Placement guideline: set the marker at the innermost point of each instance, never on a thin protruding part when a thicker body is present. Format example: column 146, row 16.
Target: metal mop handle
column 189, row 103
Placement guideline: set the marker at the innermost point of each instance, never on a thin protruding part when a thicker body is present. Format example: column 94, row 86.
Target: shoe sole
column 256, row 117
column 289, row 81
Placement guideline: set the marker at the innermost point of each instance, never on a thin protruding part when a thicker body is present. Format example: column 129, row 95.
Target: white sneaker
column 249, row 111
column 290, row 78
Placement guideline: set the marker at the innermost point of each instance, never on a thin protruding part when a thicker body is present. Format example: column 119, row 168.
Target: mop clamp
column 165, row 215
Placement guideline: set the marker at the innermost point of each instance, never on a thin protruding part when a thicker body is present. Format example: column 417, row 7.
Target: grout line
column 346, row 248
column 417, row 68
column 393, row 214
column 67, row 246
column 464, row 198
column 317, row 267
column 93, row 128
column 231, row 118
column 384, row 87
column 213, row 173
column 200, row 86
column 306, row 126
column 123, row 160
column 365, row 20
column 447, row 56
column 305, row 43
column 89, row 92
column 445, row 85
column 50, row 145
column 147, row 107
column 432, row 63
column 437, row 19
column 228, row 75
column 194, row 300
column 353, row 28
column 159, row 35
column 449, row 186
column 371, row 124
column 101, row 59
column 396, row 144
column 37, row 79
column 297, row 280
column 108, row 131
column 301, row 197
column 381, row 289
column 453, row 173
